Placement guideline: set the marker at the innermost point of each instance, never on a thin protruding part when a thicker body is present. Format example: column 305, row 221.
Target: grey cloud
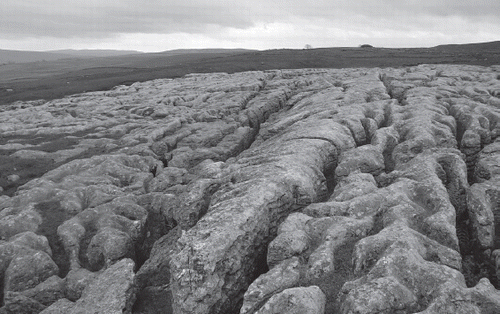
column 128, row 17
column 463, row 8
column 96, row 18
column 395, row 9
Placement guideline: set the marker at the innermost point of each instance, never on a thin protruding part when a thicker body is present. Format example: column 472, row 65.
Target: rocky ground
column 294, row 191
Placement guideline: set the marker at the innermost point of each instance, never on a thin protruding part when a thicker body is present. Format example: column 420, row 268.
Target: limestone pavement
column 298, row 191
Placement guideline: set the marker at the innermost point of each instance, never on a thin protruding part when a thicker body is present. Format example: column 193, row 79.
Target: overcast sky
column 159, row 25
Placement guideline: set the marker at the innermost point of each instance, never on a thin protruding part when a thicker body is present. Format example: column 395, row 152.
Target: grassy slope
column 16, row 56
column 55, row 79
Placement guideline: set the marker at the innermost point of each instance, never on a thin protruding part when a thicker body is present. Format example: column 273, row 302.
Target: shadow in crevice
column 53, row 215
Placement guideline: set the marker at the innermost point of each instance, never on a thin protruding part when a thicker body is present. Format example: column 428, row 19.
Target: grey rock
column 483, row 298
column 15, row 302
column 27, row 269
column 282, row 276
column 333, row 233
column 380, row 295
column 48, row 291
column 229, row 158
column 481, row 208
column 31, row 240
column 62, row 306
column 297, row 183
column 166, row 178
column 159, row 221
column 193, row 204
column 487, row 163
column 108, row 246
column 367, row 159
column 287, row 245
column 307, row 300
column 76, row 280
column 111, row 292
column 209, row 169
column 234, row 143
column 156, row 269
column 18, row 220
column 13, row 178
column 355, row 184
column 294, row 222
column 124, row 221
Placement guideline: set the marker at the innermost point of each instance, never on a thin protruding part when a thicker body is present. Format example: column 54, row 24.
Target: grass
column 56, row 79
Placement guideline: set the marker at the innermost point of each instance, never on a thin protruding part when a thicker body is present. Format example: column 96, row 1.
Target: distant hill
column 91, row 53
column 19, row 56
column 200, row 51
column 493, row 45
column 71, row 75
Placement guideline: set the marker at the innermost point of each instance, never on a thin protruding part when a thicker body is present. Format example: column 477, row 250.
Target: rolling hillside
column 57, row 78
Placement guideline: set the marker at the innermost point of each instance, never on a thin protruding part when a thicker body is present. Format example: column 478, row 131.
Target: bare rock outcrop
column 310, row 300
column 111, row 292
column 301, row 191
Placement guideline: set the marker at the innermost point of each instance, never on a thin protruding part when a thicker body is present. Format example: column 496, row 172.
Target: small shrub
column 366, row 46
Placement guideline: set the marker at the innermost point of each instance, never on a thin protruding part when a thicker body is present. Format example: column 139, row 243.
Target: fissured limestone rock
column 282, row 276
column 111, row 292
column 76, row 280
column 227, row 158
column 481, row 207
column 61, row 306
column 48, row 291
column 16, row 302
column 28, row 269
column 307, row 300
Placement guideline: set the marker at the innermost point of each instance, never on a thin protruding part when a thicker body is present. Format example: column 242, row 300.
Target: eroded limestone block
column 355, row 184
column 111, row 292
column 76, row 280
column 305, row 122
column 282, row 276
column 381, row 295
column 483, row 298
column 287, row 245
column 124, row 221
column 367, row 159
column 307, row 300
column 168, row 177
column 481, row 208
column 487, row 166
column 18, row 220
column 15, row 302
column 28, row 269
column 48, row 291
column 108, row 246
column 32, row 240
column 193, row 203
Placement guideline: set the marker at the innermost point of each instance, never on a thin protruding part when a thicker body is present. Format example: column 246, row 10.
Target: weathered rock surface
column 310, row 300
column 28, row 269
column 111, row 292
column 301, row 191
